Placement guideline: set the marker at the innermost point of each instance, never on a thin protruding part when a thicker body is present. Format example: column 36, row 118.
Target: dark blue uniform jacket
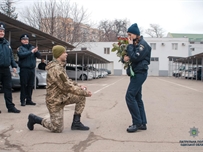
column 139, row 56
column 27, row 59
column 6, row 55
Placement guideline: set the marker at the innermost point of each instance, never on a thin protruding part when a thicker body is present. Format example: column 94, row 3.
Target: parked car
column 41, row 77
column 188, row 73
column 179, row 71
column 108, row 71
column 15, row 78
column 95, row 74
column 102, row 74
column 94, row 71
column 81, row 75
column 192, row 73
column 198, row 74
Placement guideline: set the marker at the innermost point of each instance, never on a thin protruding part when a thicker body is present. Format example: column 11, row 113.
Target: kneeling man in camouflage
column 60, row 91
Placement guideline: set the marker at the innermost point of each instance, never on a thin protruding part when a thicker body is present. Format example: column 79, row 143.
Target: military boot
column 33, row 119
column 76, row 124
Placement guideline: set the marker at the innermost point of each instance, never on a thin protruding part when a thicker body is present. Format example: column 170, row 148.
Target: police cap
column 2, row 26
column 24, row 37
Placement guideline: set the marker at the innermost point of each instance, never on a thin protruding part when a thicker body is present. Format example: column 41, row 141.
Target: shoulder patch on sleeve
column 63, row 78
column 141, row 47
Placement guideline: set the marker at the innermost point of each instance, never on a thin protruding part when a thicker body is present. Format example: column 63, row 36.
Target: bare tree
column 8, row 9
column 120, row 27
column 107, row 28
column 61, row 19
column 155, row 31
column 113, row 29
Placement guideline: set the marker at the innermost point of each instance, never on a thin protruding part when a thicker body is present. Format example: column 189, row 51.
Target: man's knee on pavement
column 53, row 127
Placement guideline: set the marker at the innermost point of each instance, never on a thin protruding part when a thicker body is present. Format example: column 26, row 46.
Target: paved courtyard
column 173, row 107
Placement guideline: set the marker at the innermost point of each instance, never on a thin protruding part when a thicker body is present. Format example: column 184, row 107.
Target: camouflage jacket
column 59, row 86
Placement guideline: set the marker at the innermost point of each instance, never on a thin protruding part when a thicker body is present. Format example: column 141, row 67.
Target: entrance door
column 154, row 67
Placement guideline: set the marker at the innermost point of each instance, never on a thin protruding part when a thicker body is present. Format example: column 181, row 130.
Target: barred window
column 174, row 46
column 154, row 59
column 106, row 50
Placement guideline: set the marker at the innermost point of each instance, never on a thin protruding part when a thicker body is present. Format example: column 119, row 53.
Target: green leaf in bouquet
column 126, row 65
column 118, row 54
column 126, row 47
column 123, row 53
column 122, row 47
column 113, row 49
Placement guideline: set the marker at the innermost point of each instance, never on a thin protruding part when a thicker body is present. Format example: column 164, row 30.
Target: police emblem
column 141, row 48
column 193, row 131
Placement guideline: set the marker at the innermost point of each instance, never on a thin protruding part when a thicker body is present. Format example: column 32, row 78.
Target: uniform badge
column 9, row 47
column 141, row 48
column 63, row 78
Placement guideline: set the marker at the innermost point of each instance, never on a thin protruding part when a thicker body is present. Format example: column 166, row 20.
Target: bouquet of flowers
column 121, row 48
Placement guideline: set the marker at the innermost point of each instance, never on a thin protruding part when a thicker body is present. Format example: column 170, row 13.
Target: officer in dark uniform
column 27, row 62
column 6, row 60
column 139, row 54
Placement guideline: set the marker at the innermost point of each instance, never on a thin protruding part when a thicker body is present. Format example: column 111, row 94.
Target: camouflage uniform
column 61, row 91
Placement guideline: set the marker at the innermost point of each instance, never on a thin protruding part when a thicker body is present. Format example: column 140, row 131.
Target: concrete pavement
column 173, row 107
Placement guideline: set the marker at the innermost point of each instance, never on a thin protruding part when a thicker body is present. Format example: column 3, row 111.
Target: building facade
column 195, row 41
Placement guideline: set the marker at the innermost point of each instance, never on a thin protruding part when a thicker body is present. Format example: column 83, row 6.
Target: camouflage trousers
column 55, row 122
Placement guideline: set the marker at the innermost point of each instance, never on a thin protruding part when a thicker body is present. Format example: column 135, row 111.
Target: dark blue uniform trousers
column 134, row 99
column 27, row 77
column 5, row 78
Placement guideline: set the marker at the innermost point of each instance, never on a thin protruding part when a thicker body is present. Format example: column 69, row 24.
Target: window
column 70, row 68
column 153, row 45
column 83, row 48
column 106, row 50
column 174, row 46
column 154, row 59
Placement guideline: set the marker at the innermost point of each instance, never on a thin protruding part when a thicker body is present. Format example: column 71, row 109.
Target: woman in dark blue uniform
column 139, row 54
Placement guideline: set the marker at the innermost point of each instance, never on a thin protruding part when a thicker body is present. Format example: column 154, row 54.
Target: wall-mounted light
column 192, row 49
column 162, row 44
column 183, row 44
column 33, row 35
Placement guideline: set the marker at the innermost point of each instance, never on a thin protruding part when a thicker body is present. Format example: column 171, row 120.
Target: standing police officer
column 6, row 60
column 27, row 62
column 139, row 54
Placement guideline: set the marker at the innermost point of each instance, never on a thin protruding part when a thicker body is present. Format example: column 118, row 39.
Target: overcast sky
column 175, row 16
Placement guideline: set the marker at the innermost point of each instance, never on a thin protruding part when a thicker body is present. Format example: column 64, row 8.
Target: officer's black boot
column 33, row 119
column 142, row 127
column 77, row 125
